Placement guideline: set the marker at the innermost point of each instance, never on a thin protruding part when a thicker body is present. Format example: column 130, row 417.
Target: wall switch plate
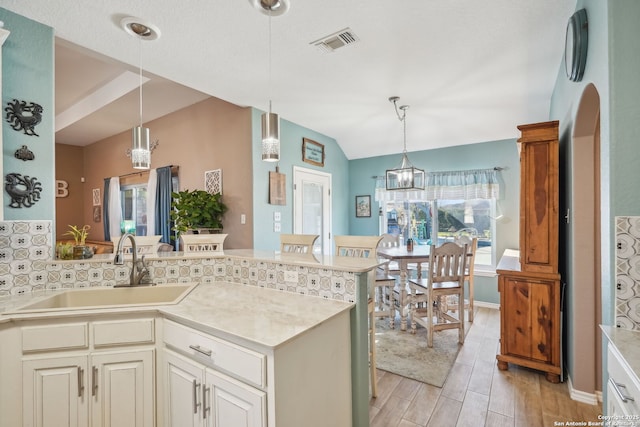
column 291, row 276
column 276, row 216
column 243, row 219
column 276, row 227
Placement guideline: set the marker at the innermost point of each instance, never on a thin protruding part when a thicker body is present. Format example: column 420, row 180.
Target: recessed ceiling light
column 140, row 28
column 271, row 7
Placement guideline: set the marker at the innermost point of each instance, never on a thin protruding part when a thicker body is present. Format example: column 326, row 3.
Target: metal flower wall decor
column 23, row 117
column 23, row 190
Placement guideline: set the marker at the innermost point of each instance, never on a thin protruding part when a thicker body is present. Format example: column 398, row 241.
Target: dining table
column 405, row 258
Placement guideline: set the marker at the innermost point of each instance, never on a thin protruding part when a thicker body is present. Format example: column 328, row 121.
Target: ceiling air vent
column 336, row 40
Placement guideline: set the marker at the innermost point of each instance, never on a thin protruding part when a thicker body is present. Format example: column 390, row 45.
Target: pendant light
column 270, row 120
column 140, row 146
column 405, row 176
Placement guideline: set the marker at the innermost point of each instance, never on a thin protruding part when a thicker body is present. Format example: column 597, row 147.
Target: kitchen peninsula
column 286, row 329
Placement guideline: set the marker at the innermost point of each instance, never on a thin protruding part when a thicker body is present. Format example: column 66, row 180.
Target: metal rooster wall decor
column 24, row 190
column 23, row 153
column 24, row 117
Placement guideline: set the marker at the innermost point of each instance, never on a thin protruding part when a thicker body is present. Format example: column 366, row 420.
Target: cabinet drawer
column 66, row 336
column 123, row 332
column 240, row 362
column 626, row 382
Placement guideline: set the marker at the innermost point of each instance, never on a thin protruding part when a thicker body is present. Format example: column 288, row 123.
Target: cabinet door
column 182, row 389
column 231, row 403
column 530, row 318
column 54, row 392
column 122, row 389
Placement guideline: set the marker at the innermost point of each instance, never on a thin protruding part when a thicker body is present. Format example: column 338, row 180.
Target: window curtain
column 449, row 185
column 105, row 210
column 163, row 204
column 113, row 210
column 151, row 202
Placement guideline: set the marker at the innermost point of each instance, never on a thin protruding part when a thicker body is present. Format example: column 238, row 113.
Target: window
column 415, row 218
column 133, row 199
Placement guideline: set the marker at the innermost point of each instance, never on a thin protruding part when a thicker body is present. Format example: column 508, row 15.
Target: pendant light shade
column 405, row 176
column 270, row 120
column 140, row 148
column 270, row 137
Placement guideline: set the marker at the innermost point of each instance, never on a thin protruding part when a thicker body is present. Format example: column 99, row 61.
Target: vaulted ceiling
column 470, row 71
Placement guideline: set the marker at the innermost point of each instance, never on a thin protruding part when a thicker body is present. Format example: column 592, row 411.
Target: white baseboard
column 581, row 396
column 491, row 305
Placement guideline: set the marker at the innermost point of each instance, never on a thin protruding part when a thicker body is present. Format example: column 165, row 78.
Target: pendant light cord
column 140, row 75
column 403, row 118
column 269, row 72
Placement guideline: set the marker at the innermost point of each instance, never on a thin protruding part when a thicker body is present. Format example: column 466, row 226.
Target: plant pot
column 82, row 252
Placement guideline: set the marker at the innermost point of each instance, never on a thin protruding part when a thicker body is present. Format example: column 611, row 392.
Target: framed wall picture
column 312, row 152
column 363, row 206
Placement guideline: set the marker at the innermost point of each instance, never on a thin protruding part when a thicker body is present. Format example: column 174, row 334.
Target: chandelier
column 405, row 176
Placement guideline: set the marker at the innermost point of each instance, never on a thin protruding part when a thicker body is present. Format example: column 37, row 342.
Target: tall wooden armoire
column 528, row 281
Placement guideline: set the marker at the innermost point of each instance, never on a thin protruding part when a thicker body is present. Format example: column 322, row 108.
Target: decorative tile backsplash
column 26, row 265
column 628, row 272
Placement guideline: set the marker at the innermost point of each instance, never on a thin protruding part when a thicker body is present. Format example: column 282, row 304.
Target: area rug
column 407, row 355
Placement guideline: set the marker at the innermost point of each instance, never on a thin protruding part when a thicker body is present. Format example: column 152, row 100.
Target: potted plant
column 80, row 249
column 197, row 211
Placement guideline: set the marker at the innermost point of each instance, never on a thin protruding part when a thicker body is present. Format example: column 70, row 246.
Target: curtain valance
column 448, row 185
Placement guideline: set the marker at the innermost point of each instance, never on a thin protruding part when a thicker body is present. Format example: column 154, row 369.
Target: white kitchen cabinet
column 623, row 389
column 213, row 381
column 84, row 374
column 54, row 392
column 196, row 395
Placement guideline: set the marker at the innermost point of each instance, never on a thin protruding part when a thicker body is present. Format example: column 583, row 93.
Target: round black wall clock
column 576, row 43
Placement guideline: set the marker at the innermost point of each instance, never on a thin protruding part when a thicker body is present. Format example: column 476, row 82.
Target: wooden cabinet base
column 552, row 373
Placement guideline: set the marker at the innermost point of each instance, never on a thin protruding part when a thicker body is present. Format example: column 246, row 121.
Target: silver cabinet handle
column 617, row 387
column 94, row 381
column 196, row 404
column 205, row 408
column 80, row 381
column 201, row 350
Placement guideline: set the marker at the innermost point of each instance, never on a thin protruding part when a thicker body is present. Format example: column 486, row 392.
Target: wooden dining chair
column 364, row 247
column 298, row 243
column 444, row 277
column 472, row 245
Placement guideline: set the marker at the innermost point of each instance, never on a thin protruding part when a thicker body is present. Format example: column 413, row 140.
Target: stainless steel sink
column 76, row 299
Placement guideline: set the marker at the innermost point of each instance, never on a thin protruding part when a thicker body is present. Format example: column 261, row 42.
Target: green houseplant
column 80, row 249
column 197, row 209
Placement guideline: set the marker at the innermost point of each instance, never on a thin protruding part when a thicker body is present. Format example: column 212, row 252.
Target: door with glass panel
column 312, row 206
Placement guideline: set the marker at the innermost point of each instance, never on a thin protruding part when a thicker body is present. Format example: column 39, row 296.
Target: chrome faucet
column 139, row 270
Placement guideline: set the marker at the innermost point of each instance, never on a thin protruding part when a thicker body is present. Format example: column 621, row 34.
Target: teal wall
column 335, row 163
column 28, row 75
column 475, row 156
column 564, row 106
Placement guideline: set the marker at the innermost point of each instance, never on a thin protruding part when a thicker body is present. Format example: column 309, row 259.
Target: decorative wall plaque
column 24, row 190
column 23, row 153
column 24, row 117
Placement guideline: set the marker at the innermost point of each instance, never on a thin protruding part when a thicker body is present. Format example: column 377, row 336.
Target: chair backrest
column 298, row 243
column 447, row 263
column 202, row 242
column 389, row 241
column 145, row 245
column 357, row 246
column 472, row 246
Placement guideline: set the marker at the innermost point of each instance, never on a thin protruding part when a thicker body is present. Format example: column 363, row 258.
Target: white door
column 233, row 403
column 183, row 384
column 312, row 206
column 122, row 387
column 55, row 392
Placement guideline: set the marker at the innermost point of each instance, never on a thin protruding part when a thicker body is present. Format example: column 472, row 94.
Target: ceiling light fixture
column 405, row 176
column 270, row 120
column 141, row 148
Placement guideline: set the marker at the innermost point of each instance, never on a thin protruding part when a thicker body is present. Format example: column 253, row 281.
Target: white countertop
column 357, row 265
column 263, row 316
column 628, row 344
